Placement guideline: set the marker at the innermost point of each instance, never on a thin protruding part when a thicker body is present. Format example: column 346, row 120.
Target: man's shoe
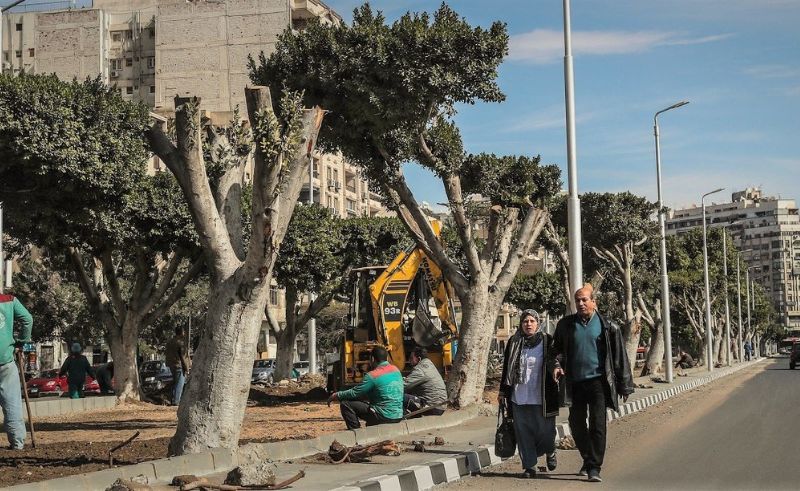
column 529, row 474
column 594, row 475
column 584, row 470
column 552, row 461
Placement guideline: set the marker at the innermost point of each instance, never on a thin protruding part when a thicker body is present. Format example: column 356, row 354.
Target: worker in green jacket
column 11, row 311
column 382, row 387
column 76, row 367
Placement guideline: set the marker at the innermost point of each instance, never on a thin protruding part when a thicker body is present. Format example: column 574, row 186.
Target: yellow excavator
column 400, row 306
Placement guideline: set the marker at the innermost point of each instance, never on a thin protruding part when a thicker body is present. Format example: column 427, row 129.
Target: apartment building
column 338, row 186
column 154, row 49
column 767, row 226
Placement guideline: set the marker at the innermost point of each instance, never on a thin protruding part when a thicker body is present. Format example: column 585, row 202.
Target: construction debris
column 338, row 453
column 128, row 485
column 566, row 443
column 258, row 474
column 111, row 452
column 202, row 483
column 420, row 445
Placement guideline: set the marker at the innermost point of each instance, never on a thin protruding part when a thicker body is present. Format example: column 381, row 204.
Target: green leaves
column 541, row 291
column 509, row 181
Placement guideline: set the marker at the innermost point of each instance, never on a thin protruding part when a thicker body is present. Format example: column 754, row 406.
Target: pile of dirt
column 309, row 388
column 66, row 458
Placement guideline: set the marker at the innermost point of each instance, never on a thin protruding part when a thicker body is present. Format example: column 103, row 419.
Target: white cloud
column 773, row 71
column 547, row 45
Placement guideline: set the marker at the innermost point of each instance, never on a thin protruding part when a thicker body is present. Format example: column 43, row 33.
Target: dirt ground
column 78, row 443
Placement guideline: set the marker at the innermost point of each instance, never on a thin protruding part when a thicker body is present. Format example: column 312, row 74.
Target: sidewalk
column 468, row 448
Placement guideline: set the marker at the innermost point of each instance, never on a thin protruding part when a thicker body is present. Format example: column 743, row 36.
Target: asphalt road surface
column 740, row 432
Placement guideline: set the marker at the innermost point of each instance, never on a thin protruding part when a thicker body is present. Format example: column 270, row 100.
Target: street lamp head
column 713, row 192
column 674, row 106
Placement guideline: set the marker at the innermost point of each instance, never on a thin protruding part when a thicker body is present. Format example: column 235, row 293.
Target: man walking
column 424, row 386
column 382, row 387
column 76, row 367
column 12, row 310
column 589, row 351
column 178, row 363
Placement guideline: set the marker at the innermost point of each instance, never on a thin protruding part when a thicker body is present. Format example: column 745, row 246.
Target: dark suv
column 155, row 375
column 794, row 356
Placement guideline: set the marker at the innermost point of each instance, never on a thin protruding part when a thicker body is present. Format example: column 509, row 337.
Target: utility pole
column 573, row 202
column 312, row 323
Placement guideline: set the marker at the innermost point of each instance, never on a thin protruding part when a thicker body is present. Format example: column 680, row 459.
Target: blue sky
column 736, row 61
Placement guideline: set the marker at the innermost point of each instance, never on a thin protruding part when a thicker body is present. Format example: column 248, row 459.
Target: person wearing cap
column 12, row 311
column 532, row 392
column 589, row 352
column 76, row 367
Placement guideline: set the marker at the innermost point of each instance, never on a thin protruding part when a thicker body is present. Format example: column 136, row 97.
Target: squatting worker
column 588, row 349
column 383, row 389
column 424, row 386
column 11, row 311
column 533, row 392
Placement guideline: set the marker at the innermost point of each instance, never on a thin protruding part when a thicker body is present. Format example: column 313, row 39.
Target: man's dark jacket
column 511, row 360
column 617, row 368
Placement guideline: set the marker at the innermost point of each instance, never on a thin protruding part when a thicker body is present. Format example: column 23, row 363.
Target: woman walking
column 532, row 393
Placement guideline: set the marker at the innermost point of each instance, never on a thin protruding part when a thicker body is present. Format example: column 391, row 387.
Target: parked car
column 263, row 371
column 301, row 367
column 154, row 376
column 794, row 358
column 47, row 383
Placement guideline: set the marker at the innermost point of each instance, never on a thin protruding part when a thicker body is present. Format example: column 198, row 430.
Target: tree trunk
column 123, row 343
column 655, row 355
column 479, row 314
column 212, row 407
column 284, row 357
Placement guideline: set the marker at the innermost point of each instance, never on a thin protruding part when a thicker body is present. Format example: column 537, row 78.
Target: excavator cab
column 400, row 306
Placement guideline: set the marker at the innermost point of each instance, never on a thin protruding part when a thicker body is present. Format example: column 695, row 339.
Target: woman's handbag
column 505, row 442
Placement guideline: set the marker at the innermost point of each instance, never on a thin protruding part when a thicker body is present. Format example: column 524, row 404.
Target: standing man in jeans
column 589, row 351
column 12, row 310
column 178, row 363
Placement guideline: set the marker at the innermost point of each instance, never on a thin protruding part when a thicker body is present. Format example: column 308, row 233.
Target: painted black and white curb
column 449, row 469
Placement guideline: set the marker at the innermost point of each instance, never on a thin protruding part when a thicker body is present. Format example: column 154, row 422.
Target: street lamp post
column 727, row 310
column 312, row 323
column 709, row 347
column 665, row 317
column 747, row 284
column 573, row 202
column 740, row 341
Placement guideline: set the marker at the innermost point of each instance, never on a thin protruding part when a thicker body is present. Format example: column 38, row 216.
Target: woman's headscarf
column 530, row 341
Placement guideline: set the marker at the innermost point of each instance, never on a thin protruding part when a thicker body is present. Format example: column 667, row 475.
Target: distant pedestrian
column 589, row 350
column 424, row 386
column 533, row 393
column 382, row 387
column 178, row 362
column 76, row 367
column 685, row 360
column 11, row 311
column 748, row 351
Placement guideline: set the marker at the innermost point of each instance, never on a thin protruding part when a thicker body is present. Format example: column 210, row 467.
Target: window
column 152, row 89
column 151, row 32
column 128, row 34
column 128, row 61
column 19, row 27
column 151, row 62
column 116, row 64
column 116, row 36
column 18, row 53
column 273, row 296
column 129, row 90
column 31, row 52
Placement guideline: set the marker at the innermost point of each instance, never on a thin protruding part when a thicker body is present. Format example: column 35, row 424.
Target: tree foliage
column 540, row 291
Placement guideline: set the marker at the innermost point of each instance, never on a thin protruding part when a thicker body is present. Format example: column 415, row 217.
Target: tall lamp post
column 739, row 302
column 666, row 322
column 709, row 346
column 312, row 323
column 747, row 284
column 573, row 202
column 728, row 359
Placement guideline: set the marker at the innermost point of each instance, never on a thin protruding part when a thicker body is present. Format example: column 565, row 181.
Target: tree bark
column 468, row 377
column 655, row 355
column 123, row 343
column 285, row 338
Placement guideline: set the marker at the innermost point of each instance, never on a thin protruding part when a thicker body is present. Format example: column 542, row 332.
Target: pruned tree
column 240, row 265
column 392, row 91
column 72, row 163
column 316, row 256
column 615, row 226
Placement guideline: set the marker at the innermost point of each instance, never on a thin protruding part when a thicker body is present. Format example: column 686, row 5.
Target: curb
column 61, row 405
column 223, row 460
column 449, row 469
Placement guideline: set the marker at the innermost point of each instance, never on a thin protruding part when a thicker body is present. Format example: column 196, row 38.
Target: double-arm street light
column 709, row 347
column 666, row 323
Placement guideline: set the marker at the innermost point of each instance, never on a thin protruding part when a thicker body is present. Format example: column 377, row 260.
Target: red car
column 47, row 383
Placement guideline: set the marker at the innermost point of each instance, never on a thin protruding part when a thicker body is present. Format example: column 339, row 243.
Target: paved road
column 741, row 432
